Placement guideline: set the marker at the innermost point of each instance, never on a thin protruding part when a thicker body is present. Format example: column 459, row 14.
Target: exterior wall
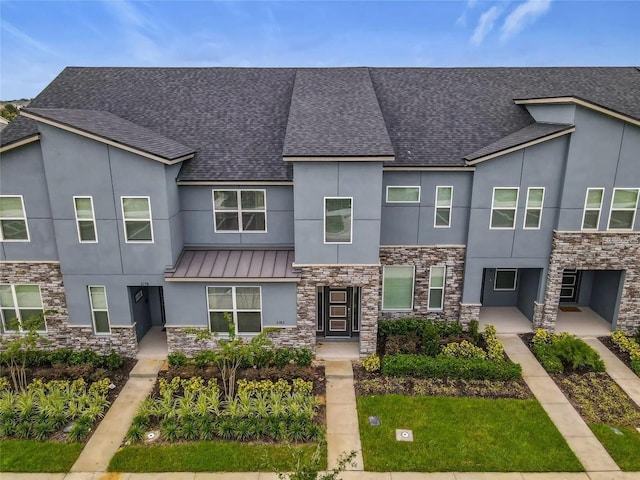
column 22, row 173
column 423, row 257
column 313, row 181
column 553, row 113
column 528, row 287
column 596, row 251
column 604, row 298
column 413, row 223
column 197, row 210
column 603, row 153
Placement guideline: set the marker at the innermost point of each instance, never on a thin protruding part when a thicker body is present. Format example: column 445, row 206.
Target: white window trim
column 599, row 209
column 515, row 213
column 515, row 280
column 124, row 221
column 93, row 219
column 436, row 207
column 634, row 209
column 24, row 217
column 324, row 221
column 94, row 310
column 527, row 208
column 402, row 201
column 444, row 284
column 413, row 288
column 17, row 308
column 234, row 313
column 240, row 209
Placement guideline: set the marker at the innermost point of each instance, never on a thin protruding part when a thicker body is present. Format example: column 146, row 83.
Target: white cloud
column 26, row 39
column 485, row 24
column 525, row 13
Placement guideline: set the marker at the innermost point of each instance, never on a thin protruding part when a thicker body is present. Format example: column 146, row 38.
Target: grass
column 214, row 456
column 462, row 434
column 624, row 449
column 34, row 456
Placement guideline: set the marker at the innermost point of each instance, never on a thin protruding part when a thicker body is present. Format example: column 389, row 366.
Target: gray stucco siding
column 553, row 113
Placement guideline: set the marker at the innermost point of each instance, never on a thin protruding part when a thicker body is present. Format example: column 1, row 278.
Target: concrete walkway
column 621, row 374
column 106, row 440
column 567, row 420
column 343, row 433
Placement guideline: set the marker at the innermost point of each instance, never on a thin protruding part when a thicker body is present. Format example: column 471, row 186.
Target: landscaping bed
column 627, row 349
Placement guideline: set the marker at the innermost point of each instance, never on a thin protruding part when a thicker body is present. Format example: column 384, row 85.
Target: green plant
column 547, row 358
column 135, row 434
column 635, row 366
column 60, row 356
column 177, row 360
column 282, row 357
column 575, row 353
column 495, row 349
column 464, row 349
column 449, row 367
column 626, row 344
column 371, row 363
column 308, row 468
column 114, row 360
column 303, row 357
column 473, row 330
column 430, row 339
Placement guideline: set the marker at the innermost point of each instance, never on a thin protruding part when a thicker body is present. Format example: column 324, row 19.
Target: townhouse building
column 317, row 201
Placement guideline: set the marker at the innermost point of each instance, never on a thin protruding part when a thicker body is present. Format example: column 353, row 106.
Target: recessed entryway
column 147, row 312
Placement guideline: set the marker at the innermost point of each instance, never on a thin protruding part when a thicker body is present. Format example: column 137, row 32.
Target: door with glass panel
column 339, row 313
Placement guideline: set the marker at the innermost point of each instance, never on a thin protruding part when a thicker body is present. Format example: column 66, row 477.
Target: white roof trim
column 231, row 183
column 20, row 143
column 373, row 158
column 428, row 169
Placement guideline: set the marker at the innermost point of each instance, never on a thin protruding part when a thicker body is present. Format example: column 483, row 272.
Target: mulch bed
column 623, row 356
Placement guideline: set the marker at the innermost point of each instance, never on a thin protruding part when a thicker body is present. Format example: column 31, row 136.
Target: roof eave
column 20, row 143
column 338, row 158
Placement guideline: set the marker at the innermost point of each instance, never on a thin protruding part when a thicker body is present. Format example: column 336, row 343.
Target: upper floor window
column 592, row 208
column 504, row 207
column 338, row 219
column 397, row 287
column 533, row 210
column 99, row 308
column 444, row 200
column 436, row 287
column 136, row 215
column 243, row 305
column 20, row 305
column 85, row 219
column 623, row 208
column 239, row 210
column 13, row 220
column 403, row 194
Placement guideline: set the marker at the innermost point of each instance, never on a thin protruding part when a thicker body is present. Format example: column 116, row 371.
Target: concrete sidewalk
column 567, row 420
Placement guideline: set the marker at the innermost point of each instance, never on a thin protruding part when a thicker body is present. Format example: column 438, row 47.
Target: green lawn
column 33, row 456
column 462, row 434
column 624, row 449
column 214, row 456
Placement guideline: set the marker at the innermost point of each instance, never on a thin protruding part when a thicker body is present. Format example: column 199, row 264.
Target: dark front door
column 570, row 286
column 338, row 313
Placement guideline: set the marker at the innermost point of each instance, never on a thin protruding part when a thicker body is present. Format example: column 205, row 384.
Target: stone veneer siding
column 59, row 333
column 424, row 257
column 595, row 251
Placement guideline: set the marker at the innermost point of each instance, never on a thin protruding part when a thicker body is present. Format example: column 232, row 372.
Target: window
column 533, row 211
column 99, row 309
column 436, row 287
column 337, row 219
column 503, row 208
column 20, row 303
column 505, row 279
column 239, row 210
column 444, row 199
column 592, row 207
column 403, row 194
column 13, row 220
column 136, row 214
column 623, row 208
column 397, row 287
column 85, row 219
column 242, row 303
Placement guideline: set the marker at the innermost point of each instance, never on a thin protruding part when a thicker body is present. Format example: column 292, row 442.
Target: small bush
column 177, row 360
column 282, row 357
column 114, row 360
column 449, row 367
column 371, row 363
column 401, row 344
column 204, row 358
column 463, row 349
column 575, row 353
column 495, row 349
column 473, row 330
column 430, row 340
column 626, row 345
column 303, row 357
column 547, row 358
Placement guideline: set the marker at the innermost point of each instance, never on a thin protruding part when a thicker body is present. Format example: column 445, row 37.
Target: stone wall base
column 468, row 312
column 538, row 317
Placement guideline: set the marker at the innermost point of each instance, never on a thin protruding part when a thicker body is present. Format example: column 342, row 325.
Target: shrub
column 626, row 344
column 114, row 360
column 463, row 349
column 547, row 358
column 401, row 344
column 449, row 367
column 204, row 358
column 282, row 357
column 371, row 363
column 401, row 326
column 473, row 331
column 177, row 360
column 430, row 340
column 303, row 357
column 495, row 349
column 575, row 353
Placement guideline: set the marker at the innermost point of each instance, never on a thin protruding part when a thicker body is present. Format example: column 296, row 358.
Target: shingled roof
column 237, row 119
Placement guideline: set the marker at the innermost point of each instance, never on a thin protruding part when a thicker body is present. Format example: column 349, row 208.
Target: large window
column 99, row 309
column 506, row 279
column 503, row 208
column 242, row 304
column 592, row 208
column 20, row 304
column 85, row 219
column 533, row 210
column 136, row 214
column 403, row 194
column 13, row 220
column 239, row 210
column 337, row 219
column 444, row 200
column 397, row 287
column 436, row 287
column 623, row 208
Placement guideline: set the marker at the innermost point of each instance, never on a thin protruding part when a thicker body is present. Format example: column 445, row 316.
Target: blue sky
column 38, row 39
